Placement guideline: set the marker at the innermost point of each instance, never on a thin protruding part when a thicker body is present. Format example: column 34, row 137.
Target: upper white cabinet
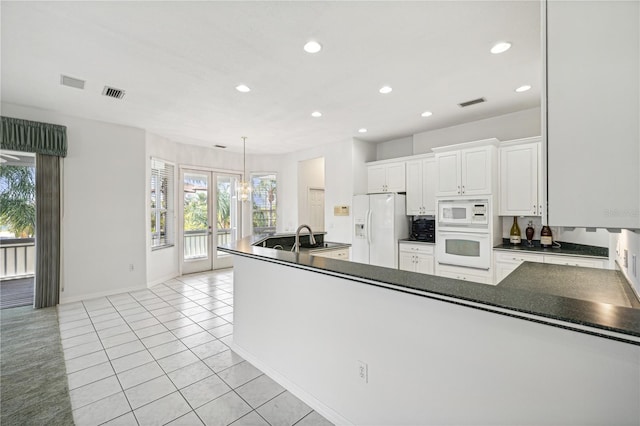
column 466, row 169
column 421, row 186
column 593, row 113
column 520, row 176
column 386, row 177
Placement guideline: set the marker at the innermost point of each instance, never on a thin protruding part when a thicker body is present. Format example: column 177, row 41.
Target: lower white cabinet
column 586, row 262
column 341, row 253
column 465, row 274
column 416, row 257
column 505, row 262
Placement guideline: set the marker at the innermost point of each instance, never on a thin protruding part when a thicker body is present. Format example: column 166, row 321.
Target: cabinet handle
column 463, row 189
column 459, row 190
column 540, row 209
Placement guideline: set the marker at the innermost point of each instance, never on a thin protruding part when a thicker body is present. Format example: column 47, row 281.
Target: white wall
column 338, row 188
column 104, row 224
column 363, row 152
column 310, row 175
column 630, row 241
column 506, row 127
column 395, row 148
column 430, row 362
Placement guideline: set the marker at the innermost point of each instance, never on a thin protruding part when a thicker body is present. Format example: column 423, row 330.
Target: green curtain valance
column 32, row 136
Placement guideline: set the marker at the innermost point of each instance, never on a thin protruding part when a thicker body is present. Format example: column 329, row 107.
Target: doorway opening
column 210, row 217
column 311, row 194
column 17, row 228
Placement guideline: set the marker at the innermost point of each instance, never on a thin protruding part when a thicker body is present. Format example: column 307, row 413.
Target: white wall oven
column 463, row 237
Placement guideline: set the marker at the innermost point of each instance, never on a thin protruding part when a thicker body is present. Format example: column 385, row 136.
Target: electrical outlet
column 625, row 259
column 131, row 267
column 363, row 371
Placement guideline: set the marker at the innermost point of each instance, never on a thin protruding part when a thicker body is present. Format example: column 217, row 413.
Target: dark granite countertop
column 595, row 285
column 600, row 319
column 408, row 240
column 567, row 249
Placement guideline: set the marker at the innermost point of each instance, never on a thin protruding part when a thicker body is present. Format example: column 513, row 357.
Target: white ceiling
column 179, row 63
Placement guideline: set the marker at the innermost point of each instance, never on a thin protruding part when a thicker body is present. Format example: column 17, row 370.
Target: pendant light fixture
column 243, row 190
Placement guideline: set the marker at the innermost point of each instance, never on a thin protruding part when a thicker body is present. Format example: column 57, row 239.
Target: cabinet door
column 593, row 110
column 519, row 180
column 376, row 179
column 503, row 269
column 448, row 173
column 406, row 262
column 429, row 186
column 424, row 264
column 476, row 171
column 414, row 187
column 395, row 177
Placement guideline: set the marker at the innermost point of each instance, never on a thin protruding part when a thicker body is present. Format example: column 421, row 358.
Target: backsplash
column 599, row 238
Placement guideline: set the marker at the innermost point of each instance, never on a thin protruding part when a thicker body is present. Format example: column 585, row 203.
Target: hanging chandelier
column 243, row 189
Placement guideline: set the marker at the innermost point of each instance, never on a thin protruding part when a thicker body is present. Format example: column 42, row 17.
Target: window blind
column 162, row 203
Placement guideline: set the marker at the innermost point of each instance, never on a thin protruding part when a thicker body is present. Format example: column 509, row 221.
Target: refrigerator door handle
column 368, row 225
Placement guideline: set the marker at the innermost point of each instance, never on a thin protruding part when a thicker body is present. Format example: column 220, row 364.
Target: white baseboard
column 322, row 409
column 163, row 279
column 88, row 296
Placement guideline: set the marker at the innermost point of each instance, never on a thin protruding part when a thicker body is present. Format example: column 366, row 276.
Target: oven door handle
column 459, row 266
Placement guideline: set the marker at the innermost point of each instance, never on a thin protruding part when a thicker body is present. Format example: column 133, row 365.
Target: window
column 162, row 204
column 263, row 202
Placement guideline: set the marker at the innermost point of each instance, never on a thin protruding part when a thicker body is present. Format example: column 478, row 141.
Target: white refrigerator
column 379, row 221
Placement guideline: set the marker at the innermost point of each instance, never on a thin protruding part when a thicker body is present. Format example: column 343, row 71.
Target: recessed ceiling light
column 500, row 47
column 242, row 88
column 312, row 47
column 385, row 89
column 427, row 114
column 316, row 114
column 523, row 88
column 363, row 130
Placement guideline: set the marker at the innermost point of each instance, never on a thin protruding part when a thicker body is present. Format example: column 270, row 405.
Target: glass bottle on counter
column 546, row 238
column 514, row 234
column 529, row 233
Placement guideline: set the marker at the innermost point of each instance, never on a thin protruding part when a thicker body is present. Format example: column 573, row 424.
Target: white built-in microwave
column 463, row 213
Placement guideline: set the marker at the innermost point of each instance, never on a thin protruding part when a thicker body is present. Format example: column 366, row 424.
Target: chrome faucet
column 312, row 240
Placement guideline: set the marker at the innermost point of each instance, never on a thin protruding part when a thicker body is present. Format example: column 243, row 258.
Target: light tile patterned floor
column 161, row 356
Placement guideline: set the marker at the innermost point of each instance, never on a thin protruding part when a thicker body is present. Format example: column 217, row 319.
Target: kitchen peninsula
column 375, row 345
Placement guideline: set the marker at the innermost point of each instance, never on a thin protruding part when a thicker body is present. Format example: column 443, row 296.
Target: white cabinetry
column 506, row 262
column 416, row 257
column 340, row 253
column 421, row 186
column 465, row 274
column 386, row 177
column 585, row 262
column 466, row 169
column 593, row 113
column 520, row 176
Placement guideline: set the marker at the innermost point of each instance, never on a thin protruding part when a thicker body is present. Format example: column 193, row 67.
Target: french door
column 210, row 217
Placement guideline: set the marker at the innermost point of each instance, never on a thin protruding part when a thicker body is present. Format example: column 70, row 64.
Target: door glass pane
column 196, row 215
column 226, row 213
column 462, row 247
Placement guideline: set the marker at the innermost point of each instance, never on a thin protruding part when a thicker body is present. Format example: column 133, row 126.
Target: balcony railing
column 195, row 242
column 17, row 258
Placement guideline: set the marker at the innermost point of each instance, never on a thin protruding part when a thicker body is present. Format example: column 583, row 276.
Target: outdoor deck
column 16, row 292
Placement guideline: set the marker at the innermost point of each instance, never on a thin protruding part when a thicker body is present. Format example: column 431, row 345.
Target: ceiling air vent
column 65, row 80
column 112, row 92
column 472, row 102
